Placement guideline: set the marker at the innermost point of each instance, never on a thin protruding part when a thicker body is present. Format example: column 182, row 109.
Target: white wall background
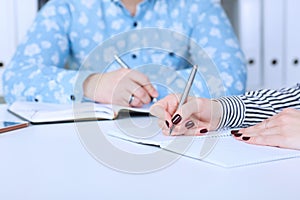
column 16, row 17
column 268, row 31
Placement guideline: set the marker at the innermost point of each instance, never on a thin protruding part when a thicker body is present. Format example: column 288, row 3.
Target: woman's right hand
column 195, row 117
column 118, row 86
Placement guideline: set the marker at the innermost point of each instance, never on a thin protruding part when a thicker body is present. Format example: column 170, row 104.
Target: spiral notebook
column 217, row 148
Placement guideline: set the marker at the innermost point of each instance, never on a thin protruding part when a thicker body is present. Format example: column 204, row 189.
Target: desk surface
column 50, row 162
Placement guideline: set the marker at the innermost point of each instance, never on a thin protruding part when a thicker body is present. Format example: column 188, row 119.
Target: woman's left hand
column 281, row 130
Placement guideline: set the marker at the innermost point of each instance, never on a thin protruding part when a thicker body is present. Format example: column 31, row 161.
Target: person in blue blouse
column 65, row 32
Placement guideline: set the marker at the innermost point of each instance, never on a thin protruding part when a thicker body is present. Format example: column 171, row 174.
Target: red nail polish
column 167, row 123
column 245, row 138
column 203, row 130
column 237, row 134
column 176, row 119
column 189, row 124
column 234, row 132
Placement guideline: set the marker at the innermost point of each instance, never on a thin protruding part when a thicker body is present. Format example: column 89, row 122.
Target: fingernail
column 234, row 132
column 245, row 138
column 176, row 119
column 203, row 130
column 167, row 123
column 189, row 124
column 237, row 134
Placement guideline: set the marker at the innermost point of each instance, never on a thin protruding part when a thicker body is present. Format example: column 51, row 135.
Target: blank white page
column 217, row 148
column 229, row 152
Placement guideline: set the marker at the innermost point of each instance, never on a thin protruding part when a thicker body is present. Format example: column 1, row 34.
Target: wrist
column 89, row 86
column 217, row 114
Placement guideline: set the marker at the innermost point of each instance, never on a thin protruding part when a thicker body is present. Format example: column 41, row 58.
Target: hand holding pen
column 144, row 93
column 188, row 116
column 176, row 119
column 123, row 87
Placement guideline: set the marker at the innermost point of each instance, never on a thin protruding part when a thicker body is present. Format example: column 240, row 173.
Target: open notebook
column 47, row 112
column 217, row 148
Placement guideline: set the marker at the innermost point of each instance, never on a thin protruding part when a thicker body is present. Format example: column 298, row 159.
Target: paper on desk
column 225, row 152
column 229, row 152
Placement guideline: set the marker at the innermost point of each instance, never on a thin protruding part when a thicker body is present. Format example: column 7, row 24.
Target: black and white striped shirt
column 255, row 106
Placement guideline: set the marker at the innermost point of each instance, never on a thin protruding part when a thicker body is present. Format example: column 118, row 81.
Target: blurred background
column 267, row 31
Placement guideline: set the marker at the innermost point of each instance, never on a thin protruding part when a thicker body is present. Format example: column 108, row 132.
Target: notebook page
column 37, row 112
column 49, row 112
column 111, row 128
column 221, row 149
column 229, row 152
column 217, row 148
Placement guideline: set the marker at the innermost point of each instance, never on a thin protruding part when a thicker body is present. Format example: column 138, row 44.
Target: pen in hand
column 121, row 62
column 124, row 65
column 186, row 92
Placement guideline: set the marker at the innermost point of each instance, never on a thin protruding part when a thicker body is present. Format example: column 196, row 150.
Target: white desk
column 49, row 162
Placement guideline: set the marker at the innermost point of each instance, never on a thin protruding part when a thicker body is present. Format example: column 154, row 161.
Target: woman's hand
column 195, row 117
column 281, row 130
column 118, row 86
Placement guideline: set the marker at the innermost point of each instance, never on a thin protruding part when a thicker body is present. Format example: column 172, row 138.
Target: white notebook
column 217, row 148
column 35, row 112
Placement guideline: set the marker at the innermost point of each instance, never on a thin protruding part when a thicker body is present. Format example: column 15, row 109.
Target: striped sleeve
column 255, row 106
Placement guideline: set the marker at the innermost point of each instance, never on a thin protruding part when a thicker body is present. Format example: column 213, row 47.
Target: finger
column 163, row 124
column 267, row 140
column 131, row 100
column 159, row 112
column 142, row 94
column 246, row 134
column 165, row 108
column 253, row 130
column 141, row 97
column 188, row 109
column 266, row 127
column 144, row 81
column 166, row 132
column 151, row 90
column 193, row 122
column 177, row 130
column 164, row 127
column 136, row 102
column 195, row 106
column 190, row 127
column 169, row 103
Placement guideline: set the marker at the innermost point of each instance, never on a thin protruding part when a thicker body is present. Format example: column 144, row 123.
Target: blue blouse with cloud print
column 68, row 30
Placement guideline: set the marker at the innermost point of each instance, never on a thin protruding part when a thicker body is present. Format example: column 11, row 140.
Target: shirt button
column 171, row 54
column 72, row 97
column 133, row 56
column 135, row 24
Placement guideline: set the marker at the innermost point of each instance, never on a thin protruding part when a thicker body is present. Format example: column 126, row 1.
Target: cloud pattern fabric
column 65, row 32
